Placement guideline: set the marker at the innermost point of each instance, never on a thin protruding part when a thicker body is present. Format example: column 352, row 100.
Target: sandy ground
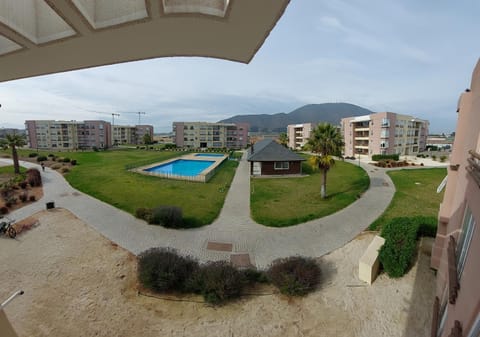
column 77, row 283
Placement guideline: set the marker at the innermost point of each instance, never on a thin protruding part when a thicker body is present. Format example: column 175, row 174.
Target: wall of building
column 462, row 191
column 268, row 168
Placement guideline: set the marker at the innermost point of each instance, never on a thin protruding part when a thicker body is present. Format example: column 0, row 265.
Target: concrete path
column 234, row 235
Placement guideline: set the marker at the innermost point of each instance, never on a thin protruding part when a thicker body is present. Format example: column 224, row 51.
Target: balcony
column 474, row 166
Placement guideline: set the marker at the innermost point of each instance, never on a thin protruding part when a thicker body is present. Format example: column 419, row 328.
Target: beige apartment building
column 456, row 253
column 298, row 134
column 384, row 133
column 210, row 135
column 131, row 134
column 68, row 135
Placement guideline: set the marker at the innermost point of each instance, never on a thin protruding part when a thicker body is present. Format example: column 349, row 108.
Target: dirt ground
column 77, row 283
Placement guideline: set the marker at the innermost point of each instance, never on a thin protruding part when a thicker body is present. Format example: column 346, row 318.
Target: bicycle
column 7, row 228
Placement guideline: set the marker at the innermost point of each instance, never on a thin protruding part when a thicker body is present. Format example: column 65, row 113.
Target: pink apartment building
column 456, row 253
column 384, row 133
column 68, row 135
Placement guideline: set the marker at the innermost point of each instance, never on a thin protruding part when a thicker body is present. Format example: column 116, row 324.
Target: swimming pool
column 182, row 167
column 209, row 155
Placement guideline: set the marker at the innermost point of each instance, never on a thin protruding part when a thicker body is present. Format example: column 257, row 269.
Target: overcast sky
column 406, row 56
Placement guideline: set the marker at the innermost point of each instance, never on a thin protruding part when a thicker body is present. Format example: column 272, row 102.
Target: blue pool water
column 182, row 167
column 209, row 155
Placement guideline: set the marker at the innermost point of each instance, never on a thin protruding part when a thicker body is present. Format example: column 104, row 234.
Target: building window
column 464, row 239
column 282, row 165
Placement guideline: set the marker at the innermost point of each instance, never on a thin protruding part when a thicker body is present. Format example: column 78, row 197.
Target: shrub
column 218, row 282
column 73, row 162
column 167, row 216
column 434, row 157
column 10, row 201
column 144, row 214
column 31, row 198
column 443, row 159
column 33, row 177
column 23, row 184
column 295, row 275
column 32, row 154
column 253, row 276
column 162, row 269
column 400, row 244
column 378, row 157
column 427, row 226
column 3, row 210
column 41, row 158
column 23, row 197
column 66, row 160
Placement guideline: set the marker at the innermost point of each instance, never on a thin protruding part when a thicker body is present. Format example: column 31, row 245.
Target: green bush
column 162, row 270
column 295, row 275
column 167, row 216
column 443, row 159
column 73, row 162
column 66, row 160
column 400, row 245
column 378, row 157
column 253, row 276
column 144, row 214
column 41, row 158
column 33, row 154
column 218, row 282
column 427, row 225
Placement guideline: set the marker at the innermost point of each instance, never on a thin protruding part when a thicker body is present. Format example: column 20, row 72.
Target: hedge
column 378, row 157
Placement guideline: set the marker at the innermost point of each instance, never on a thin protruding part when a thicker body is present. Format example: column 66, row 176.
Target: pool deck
column 233, row 236
column 203, row 176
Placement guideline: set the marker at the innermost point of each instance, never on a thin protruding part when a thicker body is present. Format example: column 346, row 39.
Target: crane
column 107, row 113
column 139, row 113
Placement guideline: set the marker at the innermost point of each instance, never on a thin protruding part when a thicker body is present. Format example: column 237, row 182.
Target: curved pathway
column 233, row 235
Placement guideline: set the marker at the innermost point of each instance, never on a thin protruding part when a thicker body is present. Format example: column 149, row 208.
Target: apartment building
column 210, row 135
column 456, row 253
column 131, row 134
column 384, row 133
column 298, row 134
column 68, row 135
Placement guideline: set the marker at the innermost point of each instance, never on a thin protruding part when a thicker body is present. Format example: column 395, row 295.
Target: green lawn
column 103, row 175
column 416, row 194
column 280, row 202
column 8, row 170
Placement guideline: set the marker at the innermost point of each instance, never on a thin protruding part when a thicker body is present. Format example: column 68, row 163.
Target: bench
column 369, row 263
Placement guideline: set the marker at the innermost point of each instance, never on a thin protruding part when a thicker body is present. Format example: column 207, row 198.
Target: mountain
column 311, row 113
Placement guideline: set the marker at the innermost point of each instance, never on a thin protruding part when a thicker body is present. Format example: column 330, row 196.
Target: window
column 464, row 240
column 281, row 165
column 475, row 332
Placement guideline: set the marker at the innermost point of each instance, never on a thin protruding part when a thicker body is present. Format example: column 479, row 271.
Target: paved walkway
column 234, row 234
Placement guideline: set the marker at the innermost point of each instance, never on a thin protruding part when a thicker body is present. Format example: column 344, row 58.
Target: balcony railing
column 474, row 166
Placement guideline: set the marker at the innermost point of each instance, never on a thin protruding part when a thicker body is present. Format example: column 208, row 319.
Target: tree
column 283, row 139
column 147, row 139
column 326, row 142
column 15, row 141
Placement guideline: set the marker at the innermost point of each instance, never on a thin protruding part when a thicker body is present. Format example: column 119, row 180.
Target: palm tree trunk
column 324, row 184
column 16, row 165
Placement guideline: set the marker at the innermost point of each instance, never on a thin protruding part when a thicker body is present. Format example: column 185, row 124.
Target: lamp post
column 359, row 159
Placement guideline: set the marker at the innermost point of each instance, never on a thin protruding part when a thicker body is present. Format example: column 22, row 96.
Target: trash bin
column 50, row 205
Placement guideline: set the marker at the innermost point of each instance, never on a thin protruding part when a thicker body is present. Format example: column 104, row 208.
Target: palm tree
column 14, row 141
column 325, row 141
column 283, row 139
